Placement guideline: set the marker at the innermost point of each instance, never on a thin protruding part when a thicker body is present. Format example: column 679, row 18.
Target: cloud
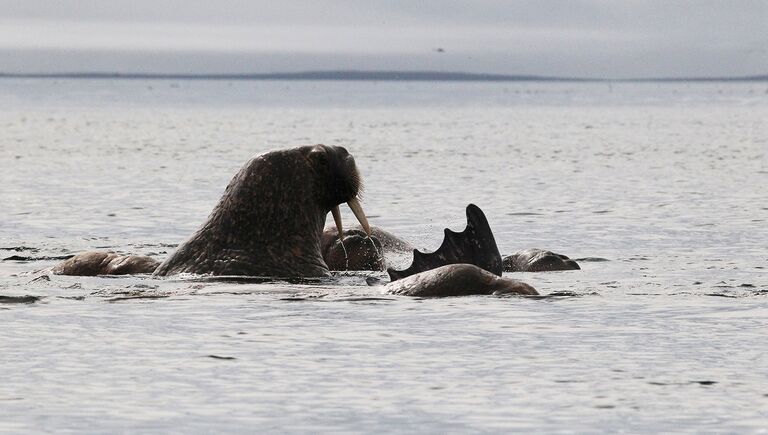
column 548, row 37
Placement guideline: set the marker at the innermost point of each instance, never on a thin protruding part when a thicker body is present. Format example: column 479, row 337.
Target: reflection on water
column 657, row 190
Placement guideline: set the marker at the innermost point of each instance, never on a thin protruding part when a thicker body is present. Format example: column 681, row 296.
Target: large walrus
column 270, row 219
column 268, row 222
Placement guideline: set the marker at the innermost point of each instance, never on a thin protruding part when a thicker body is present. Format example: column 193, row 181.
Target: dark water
column 664, row 181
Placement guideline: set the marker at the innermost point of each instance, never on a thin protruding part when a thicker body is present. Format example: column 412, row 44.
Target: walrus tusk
column 337, row 218
column 357, row 209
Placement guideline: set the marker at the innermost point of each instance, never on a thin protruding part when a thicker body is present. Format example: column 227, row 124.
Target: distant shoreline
column 419, row 76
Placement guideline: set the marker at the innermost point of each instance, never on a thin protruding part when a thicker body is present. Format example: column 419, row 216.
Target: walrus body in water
column 457, row 280
column 355, row 250
column 268, row 222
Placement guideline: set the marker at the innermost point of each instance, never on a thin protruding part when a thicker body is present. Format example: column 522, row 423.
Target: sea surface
column 659, row 189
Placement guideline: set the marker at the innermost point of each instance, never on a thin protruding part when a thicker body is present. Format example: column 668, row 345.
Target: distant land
column 421, row 76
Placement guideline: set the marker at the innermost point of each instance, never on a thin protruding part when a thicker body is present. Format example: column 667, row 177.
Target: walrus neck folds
column 269, row 221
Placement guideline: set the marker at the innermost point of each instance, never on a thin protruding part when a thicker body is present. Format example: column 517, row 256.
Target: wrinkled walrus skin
column 457, row 280
column 270, row 219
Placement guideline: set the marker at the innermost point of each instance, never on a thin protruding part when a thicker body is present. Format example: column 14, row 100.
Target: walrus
column 457, row 280
column 268, row 223
column 356, row 250
column 537, row 260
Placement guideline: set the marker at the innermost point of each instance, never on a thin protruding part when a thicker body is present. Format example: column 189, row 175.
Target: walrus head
column 356, row 250
column 352, row 250
column 339, row 173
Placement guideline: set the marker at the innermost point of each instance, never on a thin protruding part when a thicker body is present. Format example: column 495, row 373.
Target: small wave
column 561, row 295
column 221, row 357
column 243, row 279
column 590, row 259
column 40, row 278
column 19, row 248
column 26, row 299
column 154, row 245
column 132, row 297
column 26, row 259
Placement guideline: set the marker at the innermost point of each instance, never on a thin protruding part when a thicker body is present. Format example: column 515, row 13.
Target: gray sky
column 582, row 38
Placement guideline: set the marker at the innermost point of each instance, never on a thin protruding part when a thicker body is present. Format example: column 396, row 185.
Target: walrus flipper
column 475, row 245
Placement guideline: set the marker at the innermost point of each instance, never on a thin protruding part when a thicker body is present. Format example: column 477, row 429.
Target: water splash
column 378, row 253
column 346, row 256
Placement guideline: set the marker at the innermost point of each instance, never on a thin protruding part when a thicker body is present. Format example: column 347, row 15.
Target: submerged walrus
column 356, row 250
column 538, row 260
column 268, row 222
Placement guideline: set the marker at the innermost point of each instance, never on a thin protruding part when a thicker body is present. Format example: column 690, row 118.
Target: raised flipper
column 475, row 245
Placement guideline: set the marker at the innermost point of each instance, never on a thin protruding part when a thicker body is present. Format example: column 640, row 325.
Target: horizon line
column 366, row 75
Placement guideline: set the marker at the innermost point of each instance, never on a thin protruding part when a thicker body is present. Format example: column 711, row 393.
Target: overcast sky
column 581, row 38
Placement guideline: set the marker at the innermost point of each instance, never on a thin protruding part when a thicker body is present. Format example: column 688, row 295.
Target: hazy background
column 584, row 38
